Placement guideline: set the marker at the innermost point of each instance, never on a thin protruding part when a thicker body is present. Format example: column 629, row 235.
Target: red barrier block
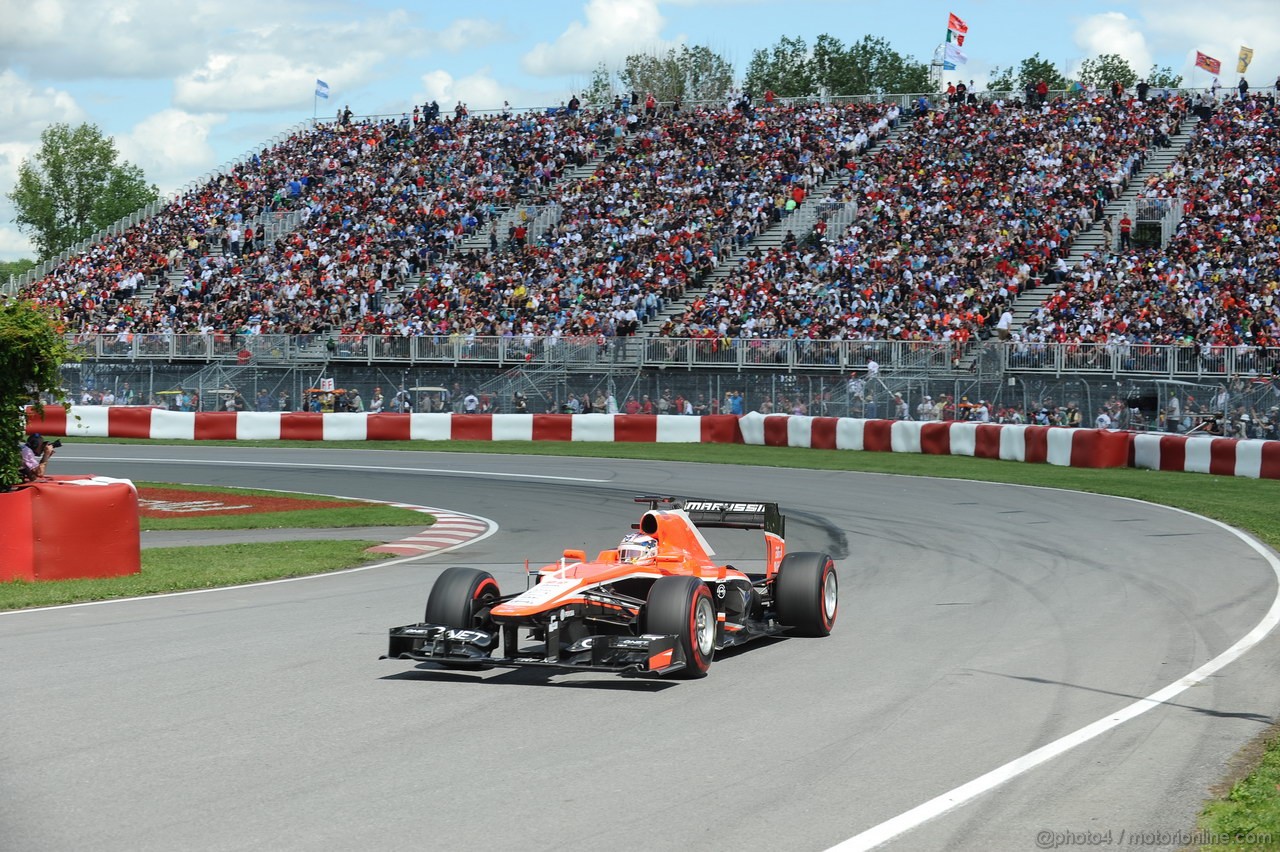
column 129, row 422
column 986, row 441
column 935, row 439
column 302, row 426
column 823, row 433
column 1173, row 453
column 17, row 539
column 877, row 436
column 215, row 426
column 636, row 428
column 549, row 427
column 385, row 427
column 1270, row 460
column 53, row 422
column 1100, row 448
column 1037, row 444
column 66, row 531
column 775, row 431
column 1222, row 457
column 721, row 429
column 471, row 427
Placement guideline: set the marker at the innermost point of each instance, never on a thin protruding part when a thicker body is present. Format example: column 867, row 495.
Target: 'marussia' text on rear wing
column 725, row 514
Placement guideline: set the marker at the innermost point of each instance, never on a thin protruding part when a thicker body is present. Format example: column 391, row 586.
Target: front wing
column 638, row 656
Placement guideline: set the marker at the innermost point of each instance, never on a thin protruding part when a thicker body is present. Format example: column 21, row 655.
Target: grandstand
column 959, row 247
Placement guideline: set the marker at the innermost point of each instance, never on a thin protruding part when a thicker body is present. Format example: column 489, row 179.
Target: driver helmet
column 637, row 548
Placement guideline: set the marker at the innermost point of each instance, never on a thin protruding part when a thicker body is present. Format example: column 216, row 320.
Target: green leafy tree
column 681, row 74
column 14, row 267
column 600, row 90
column 785, row 69
column 1105, row 69
column 32, row 351
column 1030, row 71
column 1164, row 78
column 75, row 186
column 868, row 66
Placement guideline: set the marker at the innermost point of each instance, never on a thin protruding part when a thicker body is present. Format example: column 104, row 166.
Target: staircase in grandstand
column 1093, row 240
column 824, row 202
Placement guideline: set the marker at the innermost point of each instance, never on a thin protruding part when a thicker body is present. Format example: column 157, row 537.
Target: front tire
column 458, row 599
column 682, row 606
column 806, row 593
column 459, row 596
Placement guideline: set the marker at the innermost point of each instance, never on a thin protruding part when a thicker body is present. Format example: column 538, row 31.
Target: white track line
column 362, row 467
column 965, row 793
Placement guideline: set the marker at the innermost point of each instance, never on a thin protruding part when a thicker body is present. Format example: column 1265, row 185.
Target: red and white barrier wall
column 1093, row 448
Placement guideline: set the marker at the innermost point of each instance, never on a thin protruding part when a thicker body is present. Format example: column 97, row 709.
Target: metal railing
column 1124, row 358
column 892, row 356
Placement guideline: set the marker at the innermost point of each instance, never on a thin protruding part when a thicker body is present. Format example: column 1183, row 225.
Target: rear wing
column 724, row 514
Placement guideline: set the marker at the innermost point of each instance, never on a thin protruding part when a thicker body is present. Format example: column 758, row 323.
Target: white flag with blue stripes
column 322, row 89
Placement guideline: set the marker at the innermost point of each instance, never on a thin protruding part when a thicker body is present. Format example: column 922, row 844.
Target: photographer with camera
column 36, row 453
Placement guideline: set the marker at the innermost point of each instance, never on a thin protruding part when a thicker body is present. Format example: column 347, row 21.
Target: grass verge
column 344, row 513
column 173, row 569
column 1250, row 812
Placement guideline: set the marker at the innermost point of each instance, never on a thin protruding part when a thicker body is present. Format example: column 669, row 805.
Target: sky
column 184, row 88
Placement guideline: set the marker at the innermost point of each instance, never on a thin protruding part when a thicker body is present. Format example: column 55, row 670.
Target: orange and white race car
column 657, row 604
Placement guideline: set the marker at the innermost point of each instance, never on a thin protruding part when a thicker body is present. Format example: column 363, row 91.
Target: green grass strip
column 173, row 569
column 1250, row 813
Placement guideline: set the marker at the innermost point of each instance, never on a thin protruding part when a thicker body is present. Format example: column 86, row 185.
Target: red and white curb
column 450, row 530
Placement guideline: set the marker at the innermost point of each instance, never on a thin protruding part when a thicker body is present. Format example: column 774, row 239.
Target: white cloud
column 171, row 146
column 1114, row 32
column 1181, row 27
column 25, row 111
column 469, row 32
column 479, row 91
column 613, row 29
column 13, row 245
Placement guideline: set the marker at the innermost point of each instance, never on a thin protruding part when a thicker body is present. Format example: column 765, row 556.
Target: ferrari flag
column 956, row 25
column 1246, row 56
column 1208, row 63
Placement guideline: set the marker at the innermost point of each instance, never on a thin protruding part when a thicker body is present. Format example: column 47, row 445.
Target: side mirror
column 575, row 556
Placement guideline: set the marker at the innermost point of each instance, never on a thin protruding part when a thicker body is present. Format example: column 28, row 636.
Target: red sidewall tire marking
column 695, row 647
column 827, row 621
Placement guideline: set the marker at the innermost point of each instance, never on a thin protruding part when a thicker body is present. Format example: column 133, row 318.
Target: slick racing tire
column 682, row 606
column 457, row 599
column 806, row 593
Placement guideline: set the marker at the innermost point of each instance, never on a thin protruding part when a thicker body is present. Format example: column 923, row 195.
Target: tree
column 32, row 351
column 74, row 187
column 1030, row 71
column 1106, row 69
column 866, row 67
column 14, row 267
column 681, row 74
column 1163, row 78
column 600, row 90
column 785, row 69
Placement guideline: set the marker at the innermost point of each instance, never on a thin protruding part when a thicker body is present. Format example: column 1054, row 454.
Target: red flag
column 1208, row 63
column 955, row 24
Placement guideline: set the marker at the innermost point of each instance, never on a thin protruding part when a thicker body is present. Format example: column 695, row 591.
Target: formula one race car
column 658, row 604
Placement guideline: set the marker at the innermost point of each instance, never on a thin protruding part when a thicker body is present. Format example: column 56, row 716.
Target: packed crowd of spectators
column 1216, row 286
column 955, row 215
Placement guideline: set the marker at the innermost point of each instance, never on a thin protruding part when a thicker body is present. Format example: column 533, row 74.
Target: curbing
column 1088, row 448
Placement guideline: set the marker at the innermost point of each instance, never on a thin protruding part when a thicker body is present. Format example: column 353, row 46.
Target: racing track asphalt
column 977, row 623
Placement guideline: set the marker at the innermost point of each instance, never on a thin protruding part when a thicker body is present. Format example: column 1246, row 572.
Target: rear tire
column 682, row 606
column 806, row 593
